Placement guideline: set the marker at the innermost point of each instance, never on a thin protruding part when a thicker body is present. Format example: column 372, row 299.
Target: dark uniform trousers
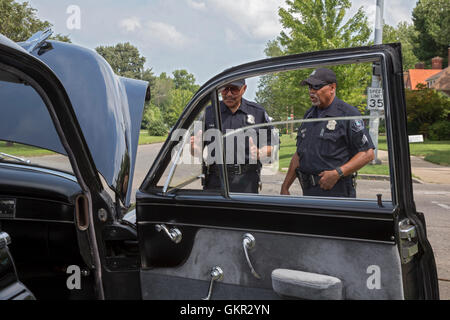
column 243, row 182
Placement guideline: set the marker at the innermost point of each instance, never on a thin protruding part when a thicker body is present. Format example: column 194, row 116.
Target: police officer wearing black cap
column 237, row 112
column 328, row 152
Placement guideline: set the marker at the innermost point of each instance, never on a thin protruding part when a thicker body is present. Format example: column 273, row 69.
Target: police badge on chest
column 250, row 119
column 331, row 125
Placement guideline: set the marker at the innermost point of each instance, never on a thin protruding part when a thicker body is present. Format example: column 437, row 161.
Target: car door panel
column 354, row 241
column 341, row 244
column 346, row 260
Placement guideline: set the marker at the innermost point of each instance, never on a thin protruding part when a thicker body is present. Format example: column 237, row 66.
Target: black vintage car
column 180, row 241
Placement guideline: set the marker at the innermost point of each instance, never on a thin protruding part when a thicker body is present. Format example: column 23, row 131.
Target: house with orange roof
column 419, row 75
column 441, row 81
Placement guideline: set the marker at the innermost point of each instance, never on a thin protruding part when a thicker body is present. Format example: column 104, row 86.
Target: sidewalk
column 425, row 171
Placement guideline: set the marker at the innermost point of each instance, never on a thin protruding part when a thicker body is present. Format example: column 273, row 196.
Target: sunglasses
column 232, row 89
column 317, row 86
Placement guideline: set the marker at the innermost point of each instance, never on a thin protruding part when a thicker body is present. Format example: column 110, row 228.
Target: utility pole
column 375, row 100
column 292, row 118
column 287, row 123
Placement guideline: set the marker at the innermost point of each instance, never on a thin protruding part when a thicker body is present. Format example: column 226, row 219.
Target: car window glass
column 27, row 134
column 277, row 111
column 196, row 146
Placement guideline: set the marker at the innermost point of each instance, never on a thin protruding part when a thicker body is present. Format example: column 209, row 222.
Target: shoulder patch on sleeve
column 357, row 125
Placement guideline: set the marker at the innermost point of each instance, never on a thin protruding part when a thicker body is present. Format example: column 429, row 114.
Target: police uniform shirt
column 326, row 145
column 248, row 114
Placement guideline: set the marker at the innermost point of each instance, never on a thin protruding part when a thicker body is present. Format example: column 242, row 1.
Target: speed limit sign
column 375, row 99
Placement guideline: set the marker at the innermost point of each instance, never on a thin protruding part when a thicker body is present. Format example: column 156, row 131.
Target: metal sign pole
column 376, row 80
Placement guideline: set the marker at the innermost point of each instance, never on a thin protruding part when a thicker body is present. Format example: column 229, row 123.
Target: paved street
column 433, row 199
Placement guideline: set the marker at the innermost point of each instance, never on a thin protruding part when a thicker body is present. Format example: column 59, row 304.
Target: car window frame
column 281, row 64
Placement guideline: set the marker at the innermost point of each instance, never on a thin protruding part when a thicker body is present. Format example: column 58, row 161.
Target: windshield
column 19, row 153
column 27, row 133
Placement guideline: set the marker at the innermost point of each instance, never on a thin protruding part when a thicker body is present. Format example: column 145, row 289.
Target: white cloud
column 394, row 11
column 130, row 24
column 152, row 33
column 197, row 5
column 165, row 33
column 259, row 19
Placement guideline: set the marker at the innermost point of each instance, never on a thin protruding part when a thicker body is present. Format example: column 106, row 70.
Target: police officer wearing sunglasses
column 236, row 112
column 329, row 152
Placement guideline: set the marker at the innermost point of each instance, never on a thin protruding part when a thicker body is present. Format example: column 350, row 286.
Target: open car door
column 197, row 244
column 31, row 197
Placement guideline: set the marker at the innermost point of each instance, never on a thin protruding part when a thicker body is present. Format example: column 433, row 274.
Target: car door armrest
column 306, row 285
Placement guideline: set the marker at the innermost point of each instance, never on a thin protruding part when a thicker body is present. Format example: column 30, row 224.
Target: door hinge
column 408, row 240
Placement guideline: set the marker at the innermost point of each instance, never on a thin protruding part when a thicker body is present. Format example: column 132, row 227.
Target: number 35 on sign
column 375, row 99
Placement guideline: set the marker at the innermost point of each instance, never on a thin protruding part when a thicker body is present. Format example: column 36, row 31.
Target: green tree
column 177, row 100
column 125, row 60
column 18, row 21
column 312, row 25
column 161, row 89
column 431, row 19
column 403, row 33
column 184, row 80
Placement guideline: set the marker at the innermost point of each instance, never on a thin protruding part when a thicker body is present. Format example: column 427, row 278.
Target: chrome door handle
column 248, row 243
column 174, row 233
column 216, row 275
column 5, row 239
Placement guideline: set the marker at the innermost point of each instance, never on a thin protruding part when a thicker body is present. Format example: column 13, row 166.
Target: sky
column 204, row 37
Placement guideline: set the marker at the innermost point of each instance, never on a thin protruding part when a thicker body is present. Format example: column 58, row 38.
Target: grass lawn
column 288, row 147
column 433, row 151
column 21, row 150
column 145, row 138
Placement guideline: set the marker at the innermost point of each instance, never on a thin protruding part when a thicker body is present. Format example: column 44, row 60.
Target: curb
column 383, row 178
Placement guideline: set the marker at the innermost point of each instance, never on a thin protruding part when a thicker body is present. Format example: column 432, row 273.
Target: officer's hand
column 253, row 150
column 196, row 144
column 329, row 179
column 284, row 191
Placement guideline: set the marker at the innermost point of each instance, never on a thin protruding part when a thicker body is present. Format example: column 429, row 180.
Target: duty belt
column 234, row 169
column 307, row 180
column 312, row 180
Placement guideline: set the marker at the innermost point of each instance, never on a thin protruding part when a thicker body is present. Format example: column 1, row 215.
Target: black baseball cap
column 237, row 83
column 320, row 76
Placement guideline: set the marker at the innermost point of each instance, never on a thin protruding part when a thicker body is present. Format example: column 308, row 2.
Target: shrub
column 156, row 125
column 439, row 130
column 425, row 107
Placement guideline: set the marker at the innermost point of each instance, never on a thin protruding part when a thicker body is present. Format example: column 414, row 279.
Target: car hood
column 108, row 108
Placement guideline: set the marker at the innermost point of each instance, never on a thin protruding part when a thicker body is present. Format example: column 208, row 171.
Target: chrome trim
column 248, row 243
column 216, row 275
column 5, row 239
column 37, row 39
column 174, row 233
column 15, row 158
